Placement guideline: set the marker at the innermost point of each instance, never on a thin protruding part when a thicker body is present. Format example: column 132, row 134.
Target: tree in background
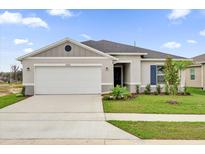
column 14, row 70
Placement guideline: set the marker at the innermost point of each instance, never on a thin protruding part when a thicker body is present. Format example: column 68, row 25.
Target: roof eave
column 128, row 54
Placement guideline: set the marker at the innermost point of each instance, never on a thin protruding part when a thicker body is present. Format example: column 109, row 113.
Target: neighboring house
column 195, row 74
column 91, row 67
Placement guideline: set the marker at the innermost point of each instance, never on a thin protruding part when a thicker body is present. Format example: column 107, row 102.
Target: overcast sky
column 179, row 32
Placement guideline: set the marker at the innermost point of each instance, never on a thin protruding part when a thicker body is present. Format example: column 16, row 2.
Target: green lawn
column 163, row 130
column 194, row 104
column 9, row 99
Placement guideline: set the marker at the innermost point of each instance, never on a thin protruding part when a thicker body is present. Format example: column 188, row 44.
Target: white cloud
column 178, row 14
column 34, row 22
column 202, row 33
column 28, row 50
column 17, row 18
column 191, row 41
column 171, row 45
column 20, row 41
column 85, row 36
column 60, row 12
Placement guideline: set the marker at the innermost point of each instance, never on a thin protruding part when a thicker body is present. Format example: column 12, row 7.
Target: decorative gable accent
column 57, row 49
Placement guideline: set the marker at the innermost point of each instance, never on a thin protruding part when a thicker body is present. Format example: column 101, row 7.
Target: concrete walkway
column 155, row 117
column 99, row 142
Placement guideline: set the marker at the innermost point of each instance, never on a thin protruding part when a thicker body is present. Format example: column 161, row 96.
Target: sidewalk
column 100, row 142
column 155, row 117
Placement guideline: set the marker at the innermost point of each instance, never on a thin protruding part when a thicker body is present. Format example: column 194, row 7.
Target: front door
column 117, row 76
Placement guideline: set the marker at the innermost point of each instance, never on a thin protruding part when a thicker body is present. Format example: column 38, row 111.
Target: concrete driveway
column 58, row 117
column 58, row 104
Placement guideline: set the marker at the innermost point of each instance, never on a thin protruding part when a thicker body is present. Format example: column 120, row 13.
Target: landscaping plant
column 119, row 92
column 137, row 89
column 166, row 89
column 147, row 90
column 171, row 76
column 158, row 89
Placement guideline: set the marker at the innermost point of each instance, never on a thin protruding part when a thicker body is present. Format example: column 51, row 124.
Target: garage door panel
column 67, row 80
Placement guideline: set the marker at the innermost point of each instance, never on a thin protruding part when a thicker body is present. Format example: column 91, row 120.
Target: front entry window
column 160, row 74
column 117, row 76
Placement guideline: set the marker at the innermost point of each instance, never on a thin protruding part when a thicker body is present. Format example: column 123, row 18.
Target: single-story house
column 195, row 74
column 91, row 67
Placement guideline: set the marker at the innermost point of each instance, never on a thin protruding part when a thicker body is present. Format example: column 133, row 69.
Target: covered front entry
column 75, row 79
column 121, row 74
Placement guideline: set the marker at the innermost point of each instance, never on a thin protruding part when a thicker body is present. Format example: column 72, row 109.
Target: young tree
column 171, row 76
column 181, row 66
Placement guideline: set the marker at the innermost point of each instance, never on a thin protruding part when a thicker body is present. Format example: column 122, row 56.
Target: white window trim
column 132, row 83
column 192, row 74
column 158, row 75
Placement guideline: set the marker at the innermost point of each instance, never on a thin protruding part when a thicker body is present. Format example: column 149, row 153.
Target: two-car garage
column 67, row 79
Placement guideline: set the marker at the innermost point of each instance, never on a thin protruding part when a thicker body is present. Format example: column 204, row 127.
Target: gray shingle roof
column 199, row 58
column 114, row 47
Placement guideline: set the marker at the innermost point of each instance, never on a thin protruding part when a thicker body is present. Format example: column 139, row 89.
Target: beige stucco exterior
column 132, row 70
column 198, row 77
column 57, row 55
column 28, row 77
column 136, row 70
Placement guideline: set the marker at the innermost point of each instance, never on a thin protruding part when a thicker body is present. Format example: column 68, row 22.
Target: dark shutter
column 153, row 77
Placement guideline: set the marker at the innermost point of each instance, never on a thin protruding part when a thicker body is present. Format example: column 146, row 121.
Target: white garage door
column 67, row 80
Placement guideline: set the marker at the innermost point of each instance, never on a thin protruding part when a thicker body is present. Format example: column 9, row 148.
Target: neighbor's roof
column 200, row 58
column 114, row 47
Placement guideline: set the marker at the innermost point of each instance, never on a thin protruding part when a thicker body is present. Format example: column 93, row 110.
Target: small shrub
column 19, row 95
column 181, row 93
column 159, row 89
column 119, row 92
column 137, row 89
column 106, row 97
column 147, row 90
column 156, row 93
column 166, row 90
column 23, row 91
column 186, row 91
